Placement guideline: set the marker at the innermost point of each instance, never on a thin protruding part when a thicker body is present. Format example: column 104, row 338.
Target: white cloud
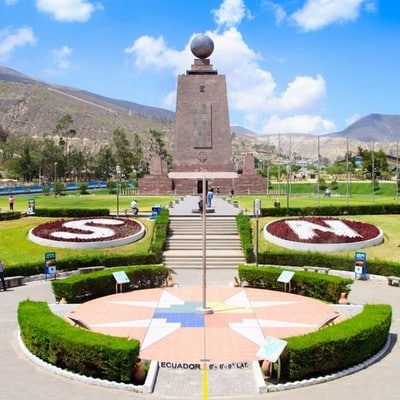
column 252, row 90
column 313, row 124
column 60, row 61
column 67, row 10
column 150, row 52
column 9, row 40
column 352, row 119
column 317, row 14
column 279, row 12
column 230, row 13
column 61, row 55
column 303, row 94
column 10, row 2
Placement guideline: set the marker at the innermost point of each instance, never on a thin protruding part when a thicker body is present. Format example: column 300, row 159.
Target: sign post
column 120, row 278
column 271, row 350
column 50, row 264
column 285, row 277
column 360, row 265
column 31, row 207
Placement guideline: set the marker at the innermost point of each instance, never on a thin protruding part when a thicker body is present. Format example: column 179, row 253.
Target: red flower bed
column 283, row 229
column 126, row 228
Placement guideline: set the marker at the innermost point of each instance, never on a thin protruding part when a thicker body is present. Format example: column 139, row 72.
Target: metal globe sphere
column 202, row 46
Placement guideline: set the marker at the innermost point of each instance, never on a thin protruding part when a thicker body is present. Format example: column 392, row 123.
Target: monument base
column 155, row 184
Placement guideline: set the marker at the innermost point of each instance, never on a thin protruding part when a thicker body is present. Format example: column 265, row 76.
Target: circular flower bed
column 322, row 234
column 87, row 233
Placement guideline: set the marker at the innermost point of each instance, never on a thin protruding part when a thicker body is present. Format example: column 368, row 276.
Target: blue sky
column 292, row 66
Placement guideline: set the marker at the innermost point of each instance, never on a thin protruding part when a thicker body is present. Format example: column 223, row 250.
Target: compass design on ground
column 169, row 327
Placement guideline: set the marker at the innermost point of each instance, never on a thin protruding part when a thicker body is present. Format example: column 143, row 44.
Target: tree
column 123, row 153
column 380, row 164
column 338, row 168
column 158, row 146
column 4, row 134
column 103, row 163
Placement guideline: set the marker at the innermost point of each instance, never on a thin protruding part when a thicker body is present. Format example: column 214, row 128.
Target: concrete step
column 184, row 247
column 193, row 246
column 223, row 253
column 186, row 264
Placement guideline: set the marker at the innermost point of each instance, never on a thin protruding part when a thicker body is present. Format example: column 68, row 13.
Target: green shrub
column 57, row 342
column 337, row 347
column 71, row 212
column 372, row 209
column 82, row 287
column 160, row 234
column 10, row 215
column 338, row 262
column 244, row 227
column 319, row 286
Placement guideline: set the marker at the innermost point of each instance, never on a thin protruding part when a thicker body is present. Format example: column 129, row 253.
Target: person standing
column 11, row 202
column 2, row 267
column 210, row 195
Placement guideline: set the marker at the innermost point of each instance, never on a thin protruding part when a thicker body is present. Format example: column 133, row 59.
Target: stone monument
column 202, row 141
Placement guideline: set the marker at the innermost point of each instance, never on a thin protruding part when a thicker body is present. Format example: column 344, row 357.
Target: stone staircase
column 184, row 247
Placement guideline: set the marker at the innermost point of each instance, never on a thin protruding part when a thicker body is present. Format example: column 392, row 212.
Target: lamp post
column 257, row 213
column 288, row 169
column 55, row 179
column 118, row 171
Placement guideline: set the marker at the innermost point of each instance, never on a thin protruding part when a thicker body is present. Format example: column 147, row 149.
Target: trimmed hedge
column 84, row 287
column 71, row 212
column 344, row 263
column 243, row 224
column 57, row 342
column 319, row 286
column 160, row 234
column 9, row 215
column 337, row 347
column 371, row 209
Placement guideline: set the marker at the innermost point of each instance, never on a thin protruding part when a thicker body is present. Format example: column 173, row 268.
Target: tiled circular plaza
column 170, row 328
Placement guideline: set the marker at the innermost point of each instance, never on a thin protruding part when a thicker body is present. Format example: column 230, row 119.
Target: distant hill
column 32, row 107
column 373, row 127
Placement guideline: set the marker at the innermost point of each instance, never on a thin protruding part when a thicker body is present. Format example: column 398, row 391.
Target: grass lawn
column 389, row 250
column 96, row 199
column 16, row 248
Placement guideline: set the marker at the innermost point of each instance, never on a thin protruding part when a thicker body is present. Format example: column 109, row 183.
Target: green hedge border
column 319, row 286
column 57, row 342
column 329, row 349
column 83, row 287
column 337, row 347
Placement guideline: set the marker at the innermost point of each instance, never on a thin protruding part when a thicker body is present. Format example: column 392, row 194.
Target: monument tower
column 202, row 141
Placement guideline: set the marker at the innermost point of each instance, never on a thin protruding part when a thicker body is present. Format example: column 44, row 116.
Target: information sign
column 50, row 264
column 271, row 349
column 121, row 277
column 286, row 276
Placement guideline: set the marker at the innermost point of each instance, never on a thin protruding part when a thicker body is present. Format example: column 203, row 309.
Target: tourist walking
column 2, row 275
